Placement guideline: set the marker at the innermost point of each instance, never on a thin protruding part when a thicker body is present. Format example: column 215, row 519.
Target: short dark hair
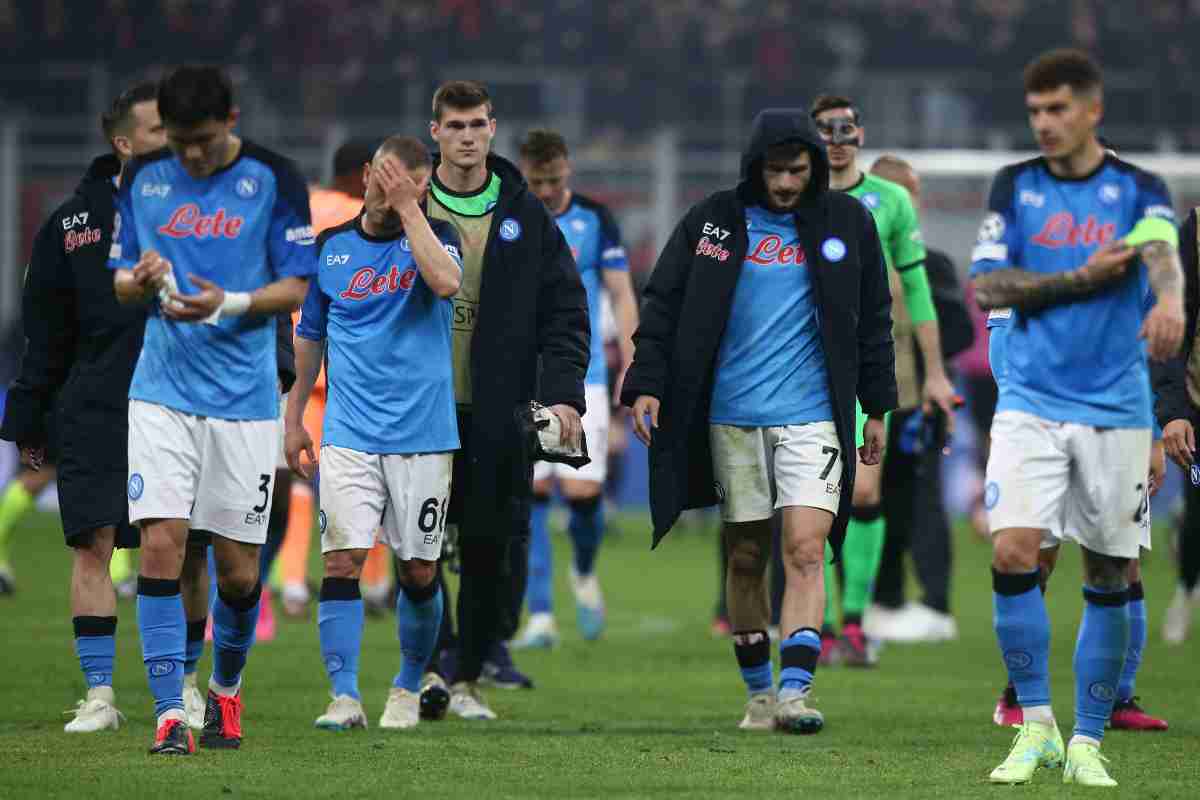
column 461, row 96
column 114, row 120
column 543, row 145
column 828, row 102
column 349, row 158
column 788, row 150
column 1063, row 67
column 411, row 151
column 190, row 95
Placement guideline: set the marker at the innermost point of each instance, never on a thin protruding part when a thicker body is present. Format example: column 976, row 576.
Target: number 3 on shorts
column 264, row 486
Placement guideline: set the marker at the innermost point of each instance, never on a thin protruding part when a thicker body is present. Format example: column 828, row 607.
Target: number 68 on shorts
column 403, row 497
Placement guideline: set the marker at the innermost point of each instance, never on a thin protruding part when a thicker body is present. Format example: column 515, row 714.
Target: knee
column 237, row 579
column 803, row 552
column 94, row 553
column 748, row 558
column 345, row 563
column 417, row 573
column 1012, row 555
column 584, row 494
column 867, row 494
column 161, row 553
column 1106, row 573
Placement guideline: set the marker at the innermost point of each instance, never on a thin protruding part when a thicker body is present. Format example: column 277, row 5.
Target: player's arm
column 51, row 333
column 908, row 250
column 1013, row 287
column 614, row 265
column 645, row 384
column 439, row 262
column 137, row 275
column 1163, row 328
column 563, row 331
column 309, row 345
column 619, row 285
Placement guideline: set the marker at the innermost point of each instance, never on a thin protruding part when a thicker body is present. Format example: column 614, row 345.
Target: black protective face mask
column 839, row 130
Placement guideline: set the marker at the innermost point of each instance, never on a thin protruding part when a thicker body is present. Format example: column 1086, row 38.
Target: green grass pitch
column 650, row 711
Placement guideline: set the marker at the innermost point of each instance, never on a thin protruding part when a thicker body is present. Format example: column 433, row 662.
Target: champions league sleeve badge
column 541, row 431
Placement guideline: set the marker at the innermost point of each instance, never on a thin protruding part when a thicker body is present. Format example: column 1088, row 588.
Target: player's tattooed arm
column 1033, row 291
column 1163, row 328
column 1163, row 268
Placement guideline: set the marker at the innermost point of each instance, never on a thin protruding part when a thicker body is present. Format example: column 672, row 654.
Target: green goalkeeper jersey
column 904, row 251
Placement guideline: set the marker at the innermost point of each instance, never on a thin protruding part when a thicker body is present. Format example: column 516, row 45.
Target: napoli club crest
column 246, row 188
column 510, row 230
column 834, row 249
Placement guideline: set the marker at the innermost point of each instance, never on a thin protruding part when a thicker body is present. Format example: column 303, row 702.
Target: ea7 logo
column 335, row 259
column 78, row 219
column 713, row 230
column 160, row 190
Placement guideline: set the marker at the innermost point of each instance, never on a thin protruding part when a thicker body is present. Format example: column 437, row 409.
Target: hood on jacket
column 775, row 126
column 102, row 169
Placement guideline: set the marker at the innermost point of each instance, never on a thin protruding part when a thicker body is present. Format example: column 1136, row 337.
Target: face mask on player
column 839, row 130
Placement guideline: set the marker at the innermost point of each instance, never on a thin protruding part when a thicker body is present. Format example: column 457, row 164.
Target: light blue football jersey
column 1082, row 361
column 388, row 369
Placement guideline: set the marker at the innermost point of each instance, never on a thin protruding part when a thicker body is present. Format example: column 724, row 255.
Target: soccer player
column 839, row 123
column 215, row 233
column 595, row 241
column 81, row 350
column 1071, row 437
column 521, row 302
column 1127, row 713
column 767, row 314
column 381, row 305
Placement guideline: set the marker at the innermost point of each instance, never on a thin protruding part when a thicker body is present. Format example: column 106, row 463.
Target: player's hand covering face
column 785, row 181
column 390, row 187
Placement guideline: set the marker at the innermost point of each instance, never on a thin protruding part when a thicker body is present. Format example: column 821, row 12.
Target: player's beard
column 783, row 202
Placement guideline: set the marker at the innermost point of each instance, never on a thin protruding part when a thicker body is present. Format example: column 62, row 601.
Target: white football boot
column 96, row 713
column 343, row 714
column 468, row 703
column 403, row 710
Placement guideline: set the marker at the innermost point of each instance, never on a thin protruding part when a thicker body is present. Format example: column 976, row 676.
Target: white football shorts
column 217, row 473
column 403, row 497
column 759, row 470
column 1072, row 481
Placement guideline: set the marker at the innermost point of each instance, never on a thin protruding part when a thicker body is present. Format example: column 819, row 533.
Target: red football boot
column 1127, row 715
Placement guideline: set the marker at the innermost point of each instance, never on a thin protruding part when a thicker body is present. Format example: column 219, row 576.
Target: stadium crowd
column 342, row 57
